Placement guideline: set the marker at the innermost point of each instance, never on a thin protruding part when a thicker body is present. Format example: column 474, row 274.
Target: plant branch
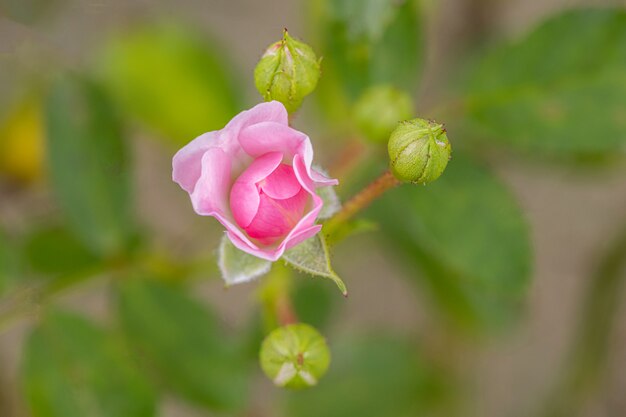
column 360, row 201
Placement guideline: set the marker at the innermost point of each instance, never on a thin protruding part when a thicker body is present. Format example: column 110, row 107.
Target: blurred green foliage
column 365, row 43
column 181, row 342
column 467, row 236
column 373, row 376
column 55, row 251
column 74, row 368
column 171, row 79
column 88, row 160
column 560, row 90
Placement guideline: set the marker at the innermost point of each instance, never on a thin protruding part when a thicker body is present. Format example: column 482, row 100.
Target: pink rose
column 255, row 177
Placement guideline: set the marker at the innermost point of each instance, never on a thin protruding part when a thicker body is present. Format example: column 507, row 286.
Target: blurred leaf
column 238, row 266
column 180, row 339
column 72, row 368
column 89, row 164
column 54, row 251
column 378, row 376
column 313, row 303
column 561, row 89
column 312, row 257
column 8, row 263
column 172, row 79
column 364, row 43
column 467, row 235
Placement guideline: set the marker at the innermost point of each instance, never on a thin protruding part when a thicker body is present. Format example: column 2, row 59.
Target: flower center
column 268, row 207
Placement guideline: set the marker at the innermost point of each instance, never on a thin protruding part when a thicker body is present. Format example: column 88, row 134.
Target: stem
column 360, row 201
column 285, row 312
column 587, row 359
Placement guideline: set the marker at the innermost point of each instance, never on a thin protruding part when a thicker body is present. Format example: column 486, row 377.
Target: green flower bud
column 379, row 110
column 295, row 356
column 287, row 72
column 418, row 151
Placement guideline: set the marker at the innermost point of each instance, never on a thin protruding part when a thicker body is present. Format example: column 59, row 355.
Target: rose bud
column 378, row 111
column 419, row 151
column 287, row 72
column 255, row 177
column 295, row 356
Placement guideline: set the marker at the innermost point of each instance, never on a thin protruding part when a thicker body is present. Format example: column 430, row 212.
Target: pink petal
column 186, row 164
column 272, row 111
column 271, row 137
column 322, row 180
column 211, row 190
column 244, row 195
column 301, row 236
column 280, row 184
column 275, row 218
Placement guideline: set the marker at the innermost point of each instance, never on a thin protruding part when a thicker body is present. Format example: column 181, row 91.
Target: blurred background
column 495, row 291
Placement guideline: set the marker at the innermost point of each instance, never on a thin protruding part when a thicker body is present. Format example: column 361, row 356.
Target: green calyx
column 295, row 356
column 287, row 72
column 419, row 151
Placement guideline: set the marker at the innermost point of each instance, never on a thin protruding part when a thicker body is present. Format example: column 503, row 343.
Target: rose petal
column 244, row 195
column 322, row 180
column 261, row 138
column 280, row 184
column 186, row 164
column 275, row 218
column 272, row 111
column 211, row 190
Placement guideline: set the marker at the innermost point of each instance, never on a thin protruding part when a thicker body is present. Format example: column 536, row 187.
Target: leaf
column 8, row 263
column 172, row 79
column 238, row 266
column 550, row 94
column 73, row 368
column 314, row 304
column 89, row 166
column 182, row 344
column 312, row 257
column 54, row 251
column 370, row 377
column 467, row 236
column 365, row 43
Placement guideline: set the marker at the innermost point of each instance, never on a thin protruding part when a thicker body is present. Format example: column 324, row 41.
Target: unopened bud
column 419, row 151
column 379, row 110
column 295, row 356
column 287, row 72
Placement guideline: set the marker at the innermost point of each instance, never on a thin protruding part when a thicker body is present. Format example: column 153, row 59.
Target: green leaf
column 312, row 257
column 181, row 342
column 172, row 79
column 54, row 251
column 73, row 368
column 88, row 161
column 366, row 43
column 466, row 235
column 550, row 94
column 370, row 377
column 8, row 263
column 313, row 303
column 238, row 266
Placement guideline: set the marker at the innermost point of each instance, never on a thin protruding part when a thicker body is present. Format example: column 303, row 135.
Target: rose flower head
column 255, row 177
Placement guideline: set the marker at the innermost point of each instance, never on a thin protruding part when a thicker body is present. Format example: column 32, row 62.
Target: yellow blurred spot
column 22, row 143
